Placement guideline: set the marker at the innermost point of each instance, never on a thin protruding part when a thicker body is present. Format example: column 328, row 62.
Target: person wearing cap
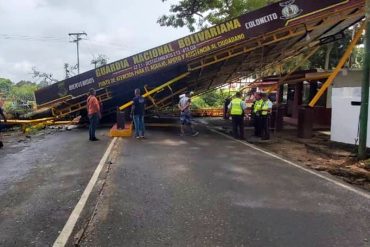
column 265, row 113
column 237, row 109
column 94, row 114
column 185, row 114
column 256, row 114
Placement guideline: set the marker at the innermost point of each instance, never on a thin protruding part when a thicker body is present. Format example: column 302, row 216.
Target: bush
column 213, row 99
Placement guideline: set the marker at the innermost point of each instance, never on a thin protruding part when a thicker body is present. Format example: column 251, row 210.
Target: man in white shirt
column 185, row 114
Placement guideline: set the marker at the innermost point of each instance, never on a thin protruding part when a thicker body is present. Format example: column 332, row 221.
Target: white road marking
column 345, row 186
column 63, row 237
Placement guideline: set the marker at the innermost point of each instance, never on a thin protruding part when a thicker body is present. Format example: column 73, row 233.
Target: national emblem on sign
column 290, row 10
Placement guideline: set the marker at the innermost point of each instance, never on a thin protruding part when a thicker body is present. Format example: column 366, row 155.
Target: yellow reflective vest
column 236, row 107
column 265, row 108
column 257, row 105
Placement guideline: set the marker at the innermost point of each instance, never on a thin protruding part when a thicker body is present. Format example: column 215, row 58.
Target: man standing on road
column 137, row 111
column 4, row 117
column 93, row 111
column 256, row 114
column 236, row 109
column 266, row 109
column 185, row 114
column 226, row 105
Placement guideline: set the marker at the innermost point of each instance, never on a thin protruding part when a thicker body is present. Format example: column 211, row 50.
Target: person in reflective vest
column 236, row 109
column 265, row 112
column 256, row 114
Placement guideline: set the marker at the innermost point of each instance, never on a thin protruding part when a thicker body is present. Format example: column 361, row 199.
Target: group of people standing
column 261, row 111
column 138, row 113
column 236, row 108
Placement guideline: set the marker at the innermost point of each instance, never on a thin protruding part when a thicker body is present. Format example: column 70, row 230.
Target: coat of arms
column 290, row 10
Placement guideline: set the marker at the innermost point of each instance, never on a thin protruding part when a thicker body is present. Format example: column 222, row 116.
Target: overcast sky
column 34, row 33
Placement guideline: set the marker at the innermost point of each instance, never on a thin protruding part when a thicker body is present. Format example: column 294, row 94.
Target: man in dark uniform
column 237, row 109
column 256, row 114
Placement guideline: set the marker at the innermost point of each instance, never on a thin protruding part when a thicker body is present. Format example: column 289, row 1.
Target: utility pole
column 76, row 40
column 365, row 89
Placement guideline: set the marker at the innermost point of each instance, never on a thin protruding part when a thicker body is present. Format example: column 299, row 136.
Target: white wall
column 345, row 117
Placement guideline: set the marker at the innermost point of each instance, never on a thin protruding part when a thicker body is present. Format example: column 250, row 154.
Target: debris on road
column 320, row 154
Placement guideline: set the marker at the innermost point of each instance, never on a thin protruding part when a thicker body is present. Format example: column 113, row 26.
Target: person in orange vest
column 4, row 117
column 94, row 114
column 237, row 109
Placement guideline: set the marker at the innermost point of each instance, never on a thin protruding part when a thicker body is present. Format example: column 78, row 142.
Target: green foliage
column 358, row 58
column 5, row 86
column 200, row 13
column 23, row 91
column 338, row 49
column 213, row 99
column 198, row 103
column 19, row 96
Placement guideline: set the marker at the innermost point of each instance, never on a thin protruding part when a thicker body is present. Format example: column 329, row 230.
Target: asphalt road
column 213, row 191
column 41, row 181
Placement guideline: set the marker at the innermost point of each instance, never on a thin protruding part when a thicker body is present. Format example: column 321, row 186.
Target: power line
column 58, row 39
column 32, row 38
column 77, row 40
column 106, row 44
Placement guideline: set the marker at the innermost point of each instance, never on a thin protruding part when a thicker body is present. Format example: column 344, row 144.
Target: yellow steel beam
column 161, row 101
column 16, row 121
column 54, row 102
column 168, row 97
column 157, row 89
column 150, row 97
column 79, row 105
column 175, row 93
column 341, row 63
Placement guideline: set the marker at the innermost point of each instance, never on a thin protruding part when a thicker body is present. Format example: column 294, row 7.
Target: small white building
column 344, row 97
